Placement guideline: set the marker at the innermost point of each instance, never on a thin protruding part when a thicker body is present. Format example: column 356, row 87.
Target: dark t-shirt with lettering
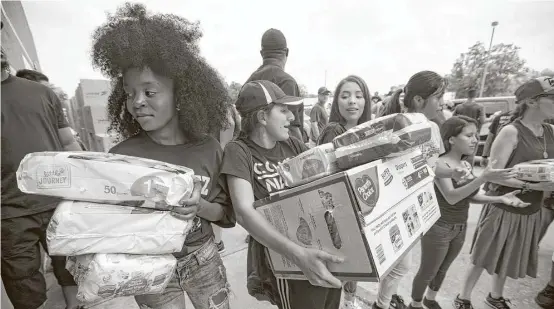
column 204, row 157
column 31, row 117
column 236, row 162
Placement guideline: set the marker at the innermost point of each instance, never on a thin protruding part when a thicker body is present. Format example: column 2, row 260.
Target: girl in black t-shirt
column 164, row 101
column 249, row 165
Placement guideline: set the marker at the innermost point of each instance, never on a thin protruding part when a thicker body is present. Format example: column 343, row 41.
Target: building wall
column 17, row 39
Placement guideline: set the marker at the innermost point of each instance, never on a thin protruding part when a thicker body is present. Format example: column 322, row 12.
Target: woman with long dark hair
column 165, row 102
column 351, row 106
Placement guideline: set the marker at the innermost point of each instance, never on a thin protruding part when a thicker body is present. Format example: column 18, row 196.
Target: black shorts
column 21, row 260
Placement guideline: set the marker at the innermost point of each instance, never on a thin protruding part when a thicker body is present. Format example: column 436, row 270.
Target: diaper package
column 392, row 135
column 104, row 178
column 537, row 170
column 106, row 276
column 82, row 227
column 308, row 166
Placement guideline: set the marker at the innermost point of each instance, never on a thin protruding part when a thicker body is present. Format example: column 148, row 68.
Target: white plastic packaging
column 82, row 228
column 104, row 178
column 106, row 276
column 537, row 170
column 308, row 166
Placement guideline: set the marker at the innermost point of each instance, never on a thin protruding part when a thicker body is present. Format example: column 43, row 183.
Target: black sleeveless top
column 529, row 147
column 457, row 213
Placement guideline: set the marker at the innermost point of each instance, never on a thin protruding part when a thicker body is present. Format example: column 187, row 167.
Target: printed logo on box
column 366, row 190
column 387, row 176
column 53, row 176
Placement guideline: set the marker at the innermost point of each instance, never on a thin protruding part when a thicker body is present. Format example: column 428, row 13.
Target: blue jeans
column 202, row 275
column 439, row 248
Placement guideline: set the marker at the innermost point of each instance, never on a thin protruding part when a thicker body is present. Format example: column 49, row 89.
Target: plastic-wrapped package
column 104, row 178
column 308, row 166
column 82, row 228
column 106, row 276
column 537, row 170
column 392, row 135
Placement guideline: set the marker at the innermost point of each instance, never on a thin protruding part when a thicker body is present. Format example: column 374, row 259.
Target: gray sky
column 383, row 41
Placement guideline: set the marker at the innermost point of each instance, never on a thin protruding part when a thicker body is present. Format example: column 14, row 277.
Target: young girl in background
column 249, row 165
column 351, row 106
column 443, row 242
column 507, row 238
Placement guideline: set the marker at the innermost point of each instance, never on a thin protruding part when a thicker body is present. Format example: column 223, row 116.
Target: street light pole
column 494, row 24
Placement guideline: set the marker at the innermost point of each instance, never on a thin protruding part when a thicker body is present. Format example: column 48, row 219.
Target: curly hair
column 168, row 45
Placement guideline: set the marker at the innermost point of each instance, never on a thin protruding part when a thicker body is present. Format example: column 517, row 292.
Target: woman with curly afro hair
column 165, row 102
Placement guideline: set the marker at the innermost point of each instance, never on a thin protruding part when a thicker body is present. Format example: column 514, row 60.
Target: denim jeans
column 439, row 248
column 388, row 286
column 202, row 275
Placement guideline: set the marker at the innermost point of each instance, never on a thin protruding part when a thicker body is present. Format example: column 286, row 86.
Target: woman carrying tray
column 506, row 241
column 165, row 101
column 443, row 242
column 351, row 106
column 249, row 164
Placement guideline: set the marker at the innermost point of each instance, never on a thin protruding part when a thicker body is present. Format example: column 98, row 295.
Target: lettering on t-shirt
column 267, row 173
column 205, row 185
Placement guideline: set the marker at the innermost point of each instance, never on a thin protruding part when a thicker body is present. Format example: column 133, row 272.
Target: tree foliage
column 506, row 70
column 303, row 91
column 234, row 89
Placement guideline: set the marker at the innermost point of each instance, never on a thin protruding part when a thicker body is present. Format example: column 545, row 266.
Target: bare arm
column 68, row 140
column 210, row 211
column 242, row 197
column 454, row 195
column 502, row 148
column 315, row 129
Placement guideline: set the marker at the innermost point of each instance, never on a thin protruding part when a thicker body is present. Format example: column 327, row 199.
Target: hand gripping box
column 82, row 227
column 104, row 178
column 370, row 214
column 107, row 276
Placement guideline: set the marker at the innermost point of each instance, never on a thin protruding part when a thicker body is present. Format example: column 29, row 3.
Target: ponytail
column 393, row 105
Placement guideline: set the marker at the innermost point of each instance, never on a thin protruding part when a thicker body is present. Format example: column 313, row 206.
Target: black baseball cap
column 323, row 90
column 257, row 94
column 535, row 87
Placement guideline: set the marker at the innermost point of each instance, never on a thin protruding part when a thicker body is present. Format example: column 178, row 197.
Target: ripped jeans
column 202, row 275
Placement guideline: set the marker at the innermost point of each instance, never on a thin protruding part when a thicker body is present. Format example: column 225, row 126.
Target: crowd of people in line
column 168, row 104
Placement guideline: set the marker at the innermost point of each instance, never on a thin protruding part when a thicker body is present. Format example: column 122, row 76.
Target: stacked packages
column 537, row 170
column 112, row 222
column 367, row 196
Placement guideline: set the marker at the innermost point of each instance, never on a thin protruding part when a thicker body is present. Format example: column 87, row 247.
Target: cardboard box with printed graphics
column 370, row 214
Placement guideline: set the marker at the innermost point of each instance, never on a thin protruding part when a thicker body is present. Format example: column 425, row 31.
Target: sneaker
column 351, row 304
column 461, row 303
column 431, row 304
column 545, row 298
column 397, row 302
column 500, row 303
column 220, row 247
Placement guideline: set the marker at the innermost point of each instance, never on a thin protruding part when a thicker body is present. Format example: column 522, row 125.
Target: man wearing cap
column 275, row 54
column 32, row 121
column 318, row 115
